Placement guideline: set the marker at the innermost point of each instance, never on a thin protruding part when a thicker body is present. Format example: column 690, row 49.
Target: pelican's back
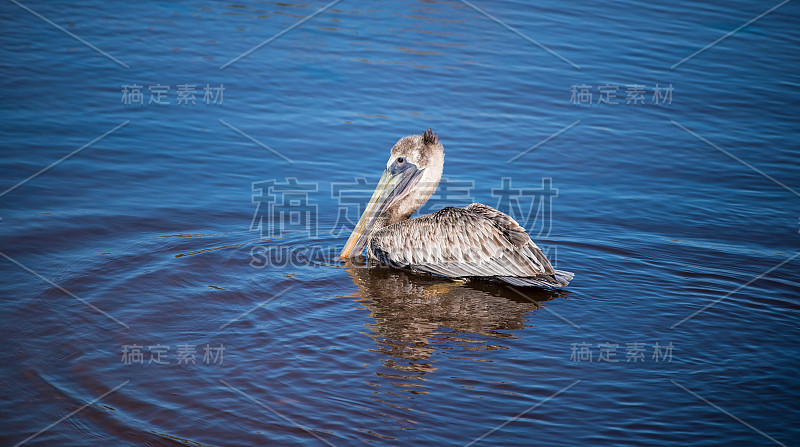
column 473, row 242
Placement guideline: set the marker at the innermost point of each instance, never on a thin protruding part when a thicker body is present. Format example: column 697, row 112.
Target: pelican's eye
column 401, row 160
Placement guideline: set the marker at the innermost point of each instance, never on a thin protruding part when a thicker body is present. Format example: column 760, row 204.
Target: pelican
column 475, row 242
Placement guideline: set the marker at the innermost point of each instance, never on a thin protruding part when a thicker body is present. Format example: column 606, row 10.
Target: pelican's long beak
column 393, row 185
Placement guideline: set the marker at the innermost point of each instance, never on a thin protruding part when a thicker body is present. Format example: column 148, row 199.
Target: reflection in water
column 415, row 314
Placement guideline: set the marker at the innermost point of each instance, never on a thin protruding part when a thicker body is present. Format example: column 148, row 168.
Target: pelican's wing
column 476, row 241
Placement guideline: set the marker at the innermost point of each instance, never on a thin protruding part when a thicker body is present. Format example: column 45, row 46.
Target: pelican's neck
column 408, row 205
column 404, row 208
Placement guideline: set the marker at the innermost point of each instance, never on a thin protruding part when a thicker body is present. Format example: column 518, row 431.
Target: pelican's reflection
column 414, row 314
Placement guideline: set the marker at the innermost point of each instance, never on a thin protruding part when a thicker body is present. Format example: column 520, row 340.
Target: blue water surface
column 153, row 293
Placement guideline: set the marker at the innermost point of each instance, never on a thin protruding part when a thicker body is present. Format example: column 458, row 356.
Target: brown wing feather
column 476, row 241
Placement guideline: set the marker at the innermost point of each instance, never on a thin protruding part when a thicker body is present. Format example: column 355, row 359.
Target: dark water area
column 168, row 259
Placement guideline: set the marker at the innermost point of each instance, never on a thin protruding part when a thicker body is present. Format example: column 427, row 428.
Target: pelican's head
column 410, row 178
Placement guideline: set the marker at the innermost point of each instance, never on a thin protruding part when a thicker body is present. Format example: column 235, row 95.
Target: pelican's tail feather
column 563, row 276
